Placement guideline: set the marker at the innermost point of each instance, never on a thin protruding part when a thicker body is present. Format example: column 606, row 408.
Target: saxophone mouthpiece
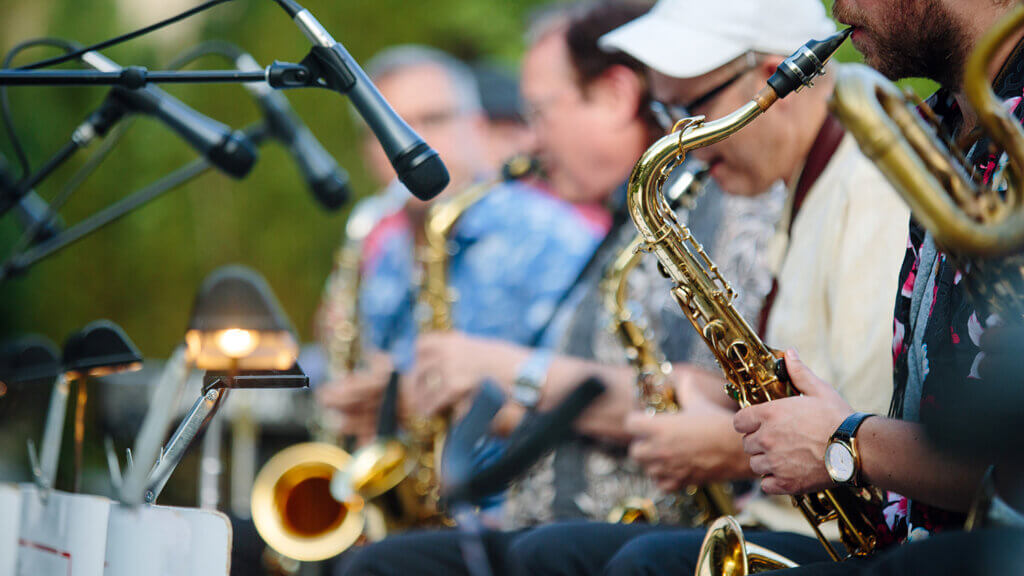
column 806, row 64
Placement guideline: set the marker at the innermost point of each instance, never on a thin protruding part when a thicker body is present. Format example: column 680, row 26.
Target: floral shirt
column 946, row 354
column 514, row 253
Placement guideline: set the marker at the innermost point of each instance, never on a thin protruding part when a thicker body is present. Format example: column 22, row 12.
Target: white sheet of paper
column 10, row 518
column 167, row 541
column 65, row 535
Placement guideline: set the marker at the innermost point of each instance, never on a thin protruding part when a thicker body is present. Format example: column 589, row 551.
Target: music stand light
column 99, row 349
column 238, row 324
column 28, row 359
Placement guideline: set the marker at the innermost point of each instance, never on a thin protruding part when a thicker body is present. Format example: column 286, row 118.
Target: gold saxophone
column 754, row 372
column 408, row 468
column 979, row 227
column 654, row 387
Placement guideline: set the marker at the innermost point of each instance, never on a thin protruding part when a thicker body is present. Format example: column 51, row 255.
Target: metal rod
column 107, row 216
column 129, row 77
column 162, row 409
column 80, row 401
column 204, row 409
column 53, row 432
column 210, row 465
column 18, row 263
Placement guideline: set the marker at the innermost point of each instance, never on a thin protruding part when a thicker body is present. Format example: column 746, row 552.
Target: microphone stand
column 20, row 262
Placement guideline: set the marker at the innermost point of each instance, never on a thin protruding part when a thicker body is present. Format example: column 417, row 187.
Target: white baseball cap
column 689, row 38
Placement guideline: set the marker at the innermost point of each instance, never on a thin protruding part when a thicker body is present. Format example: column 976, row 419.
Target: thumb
column 801, row 377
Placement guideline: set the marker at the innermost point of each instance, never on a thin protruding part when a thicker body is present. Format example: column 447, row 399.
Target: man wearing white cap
column 839, row 250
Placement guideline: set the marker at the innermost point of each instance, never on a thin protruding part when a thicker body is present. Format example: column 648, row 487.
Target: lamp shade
column 237, row 324
column 98, row 349
column 29, row 358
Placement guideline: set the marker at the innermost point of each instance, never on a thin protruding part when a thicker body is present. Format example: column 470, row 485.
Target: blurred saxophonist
column 591, row 117
column 515, row 252
column 839, row 247
column 946, row 347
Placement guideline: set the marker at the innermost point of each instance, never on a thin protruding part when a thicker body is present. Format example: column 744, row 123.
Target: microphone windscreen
column 422, row 171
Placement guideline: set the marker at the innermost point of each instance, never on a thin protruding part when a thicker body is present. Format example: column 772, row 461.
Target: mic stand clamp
column 215, row 389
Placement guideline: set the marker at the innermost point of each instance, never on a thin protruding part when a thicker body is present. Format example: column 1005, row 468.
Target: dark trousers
column 568, row 548
column 426, row 552
column 983, row 553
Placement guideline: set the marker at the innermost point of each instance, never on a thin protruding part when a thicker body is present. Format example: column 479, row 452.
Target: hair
column 582, row 24
column 400, row 58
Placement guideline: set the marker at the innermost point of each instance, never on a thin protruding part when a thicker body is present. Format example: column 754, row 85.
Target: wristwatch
column 842, row 461
column 530, row 378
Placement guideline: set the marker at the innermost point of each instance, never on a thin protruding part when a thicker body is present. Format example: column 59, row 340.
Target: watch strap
column 848, row 429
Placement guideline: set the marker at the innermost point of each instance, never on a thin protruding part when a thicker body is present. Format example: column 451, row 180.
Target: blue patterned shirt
column 514, row 253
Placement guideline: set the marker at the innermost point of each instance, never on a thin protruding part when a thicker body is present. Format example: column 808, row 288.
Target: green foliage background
column 142, row 272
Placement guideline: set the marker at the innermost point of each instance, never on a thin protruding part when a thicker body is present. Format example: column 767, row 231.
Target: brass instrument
column 293, row 509
column 980, row 228
column 754, row 372
column 292, row 505
column 654, row 388
column 408, row 468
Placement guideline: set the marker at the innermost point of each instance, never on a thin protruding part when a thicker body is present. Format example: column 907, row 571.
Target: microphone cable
column 124, row 37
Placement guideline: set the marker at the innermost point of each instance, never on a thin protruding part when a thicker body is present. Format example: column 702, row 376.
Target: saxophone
column 754, row 372
column 978, row 227
column 653, row 386
column 407, row 468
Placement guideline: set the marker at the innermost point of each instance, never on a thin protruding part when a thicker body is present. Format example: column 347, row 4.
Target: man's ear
column 619, row 91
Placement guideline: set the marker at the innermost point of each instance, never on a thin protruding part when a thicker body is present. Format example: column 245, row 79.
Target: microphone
column 32, row 211
column 328, row 182
column 228, row 150
column 418, row 166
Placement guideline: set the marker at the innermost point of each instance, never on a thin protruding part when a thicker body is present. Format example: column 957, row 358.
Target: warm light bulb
column 237, row 343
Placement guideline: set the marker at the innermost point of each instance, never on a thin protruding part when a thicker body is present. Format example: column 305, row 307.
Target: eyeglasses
column 668, row 114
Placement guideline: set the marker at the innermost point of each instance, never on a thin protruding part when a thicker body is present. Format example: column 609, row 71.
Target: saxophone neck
column 435, row 294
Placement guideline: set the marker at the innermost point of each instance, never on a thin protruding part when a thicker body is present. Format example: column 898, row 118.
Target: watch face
column 839, row 462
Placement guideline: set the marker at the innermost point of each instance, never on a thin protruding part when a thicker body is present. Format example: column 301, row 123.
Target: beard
column 913, row 38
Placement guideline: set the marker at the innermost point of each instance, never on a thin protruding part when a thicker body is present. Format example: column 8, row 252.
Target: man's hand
column 450, row 366
column 357, row 396
column 786, row 438
column 694, row 384
column 694, row 446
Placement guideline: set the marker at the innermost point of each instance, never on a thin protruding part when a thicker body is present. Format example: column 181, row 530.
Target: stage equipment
column 99, row 349
column 328, row 65
column 328, row 181
column 241, row 337
column 754, row 372
column 654, row 385
column 980, row 227
column 32, row 211
column 228, row 150
column 29, row 358
column 418, row 166
column 237, row 324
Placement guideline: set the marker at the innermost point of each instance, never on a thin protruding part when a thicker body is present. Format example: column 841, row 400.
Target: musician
column 589, row 111
column 512, row 262
column 842, row 242
column 940, row 334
